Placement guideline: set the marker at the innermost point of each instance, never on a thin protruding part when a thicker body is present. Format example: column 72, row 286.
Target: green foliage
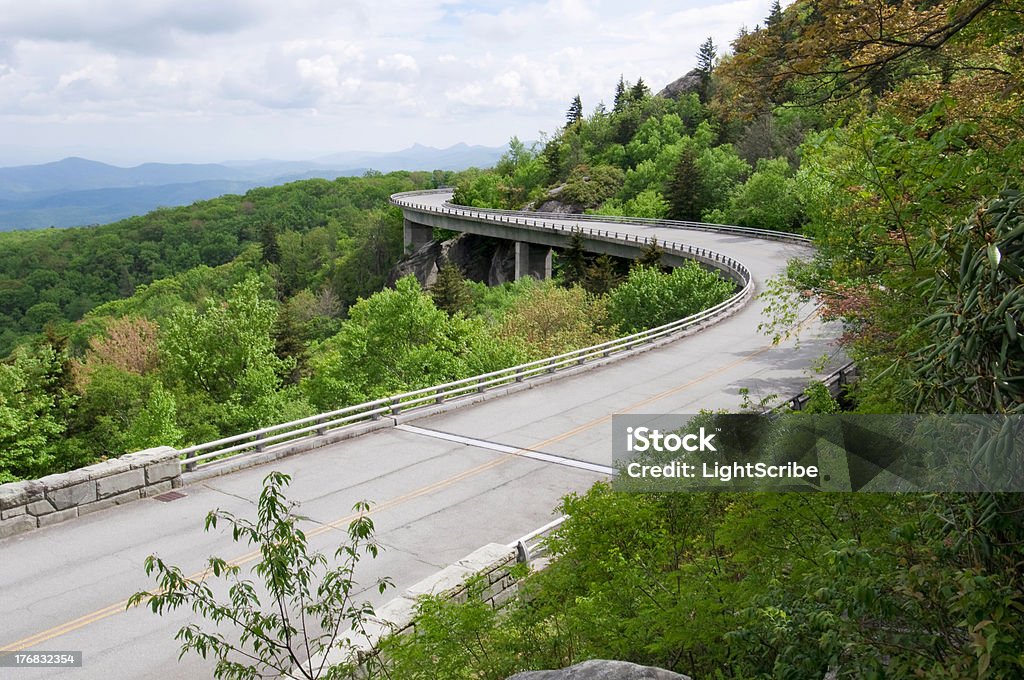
column 225, row 353
column 548, row 320
column 601, row 275
column 767, row 200
column 288, row 621
column 572, row 262
column 591, row 186
column 449, row 291
column 398, row 340
column 755, row 585
column 31, row 404
column 686, row 191
column 57, row 275
column 974, row 361
column 650, row 298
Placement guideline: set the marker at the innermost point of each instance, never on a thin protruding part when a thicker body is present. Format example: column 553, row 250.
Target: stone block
column 147, row 457
column 396, row 615
column 64, row 479
column 55, row 517
column 157, row 489
column 106, row 468
column 16, row 525
column 119, row 483
column 13, row 494
column 488, row 557
column 502, row 598
column 34, row 490
column 158, row 472
column 445, row 582
column 110, row 502
column 16, row 511
column 43, row 507
column 72, row 496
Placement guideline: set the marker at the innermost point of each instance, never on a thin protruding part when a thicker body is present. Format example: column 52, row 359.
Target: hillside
column 78, row 191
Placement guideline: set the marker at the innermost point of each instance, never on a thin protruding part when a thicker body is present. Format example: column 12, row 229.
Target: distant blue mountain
column 78, row 191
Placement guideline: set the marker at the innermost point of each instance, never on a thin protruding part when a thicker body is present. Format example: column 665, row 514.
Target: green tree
column 225, row 351
column 651, row 255
column 290, row 621
column 705, row 65
column 449, row 291
column 649, row 298
column 620, row 96
column 601, row 275
column 575, row 113
column 268, row 238
column 572, row 262
column 639, row 92
column 686, row 188
column 31, row 410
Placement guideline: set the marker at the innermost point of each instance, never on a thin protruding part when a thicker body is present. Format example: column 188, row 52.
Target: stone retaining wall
column 41, row 502
column 487, row 568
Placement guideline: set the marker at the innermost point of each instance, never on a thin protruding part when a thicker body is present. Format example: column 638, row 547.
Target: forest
column 186, row 325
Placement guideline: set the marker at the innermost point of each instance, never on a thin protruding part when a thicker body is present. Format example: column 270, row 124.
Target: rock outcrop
column 553, row 203
column 690, row 83
column 602, row 670
column 488, row 260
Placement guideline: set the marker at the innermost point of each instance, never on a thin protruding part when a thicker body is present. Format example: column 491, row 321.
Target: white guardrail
column 194, row 457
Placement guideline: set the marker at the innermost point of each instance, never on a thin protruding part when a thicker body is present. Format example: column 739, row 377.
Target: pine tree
column 774, row 15
column 686, row 188
column 572, row 262
column 449, row 291
column 601, row 275
column 650, row 256
column 268, row 237
column 620, row 95
column 705, row 64
column 575, row 113
column 640, row 91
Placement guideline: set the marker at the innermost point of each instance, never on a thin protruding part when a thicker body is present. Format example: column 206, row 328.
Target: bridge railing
column 520, row 217
column 257, row 441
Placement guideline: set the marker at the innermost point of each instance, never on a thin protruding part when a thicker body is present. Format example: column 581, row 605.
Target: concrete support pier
column 533, row 260
column 416, row 235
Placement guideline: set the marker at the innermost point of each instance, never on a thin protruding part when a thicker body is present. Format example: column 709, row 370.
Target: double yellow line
column 108, row 611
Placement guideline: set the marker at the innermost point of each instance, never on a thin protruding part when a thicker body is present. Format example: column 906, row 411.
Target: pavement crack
column 248, row 500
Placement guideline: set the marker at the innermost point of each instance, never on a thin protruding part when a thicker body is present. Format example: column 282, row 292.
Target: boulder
column 602, row 670
column 491, row 261
column 688, row 84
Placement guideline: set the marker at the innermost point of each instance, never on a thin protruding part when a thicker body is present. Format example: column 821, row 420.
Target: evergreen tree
column 575, row 113
column 650, row 256
column 620, row 95
column 686, row 188
column 572, row 262
column 449, row 291
column 601, row 275
column 774, row 15
column 705, row 64
column 271, row 250
column 640, row 91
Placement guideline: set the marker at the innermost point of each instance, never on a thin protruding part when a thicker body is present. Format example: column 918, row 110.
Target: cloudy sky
column 128, row 81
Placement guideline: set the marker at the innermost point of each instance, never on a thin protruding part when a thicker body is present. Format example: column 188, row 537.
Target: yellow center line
column 117, row 607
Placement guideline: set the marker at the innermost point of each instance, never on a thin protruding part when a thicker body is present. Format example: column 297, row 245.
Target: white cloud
column 386, row 74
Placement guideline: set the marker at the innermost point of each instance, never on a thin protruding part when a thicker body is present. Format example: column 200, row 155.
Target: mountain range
column 78, row 191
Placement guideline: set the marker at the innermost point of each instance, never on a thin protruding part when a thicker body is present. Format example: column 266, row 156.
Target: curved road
column 442, row 485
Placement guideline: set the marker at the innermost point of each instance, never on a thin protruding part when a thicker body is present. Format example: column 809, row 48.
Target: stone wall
column 37, row 503
column 491, row 564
